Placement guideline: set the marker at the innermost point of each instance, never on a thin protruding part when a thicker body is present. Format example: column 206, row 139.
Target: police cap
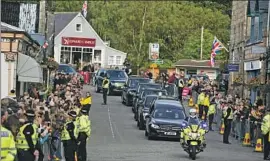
column 72, row 113
column 30, row 113
column 84, row 110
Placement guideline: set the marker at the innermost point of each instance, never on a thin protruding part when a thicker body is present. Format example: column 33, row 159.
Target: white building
column 76, row 41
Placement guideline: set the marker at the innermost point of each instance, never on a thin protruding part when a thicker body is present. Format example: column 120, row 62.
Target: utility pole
column 202, row 43
column 46, row 30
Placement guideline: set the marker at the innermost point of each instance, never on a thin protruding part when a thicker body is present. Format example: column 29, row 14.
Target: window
column 118, row 60
column 256, row 31
column 79, row 27
column 97, row 55
column 65, row 55
column 111, row 60
column 87, row 55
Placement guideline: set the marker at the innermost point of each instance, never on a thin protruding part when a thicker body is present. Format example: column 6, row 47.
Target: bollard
column 222, row 128
column 246, row 141
column 258, row 147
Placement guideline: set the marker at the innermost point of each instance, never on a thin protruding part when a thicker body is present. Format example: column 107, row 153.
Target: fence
column 242, row 129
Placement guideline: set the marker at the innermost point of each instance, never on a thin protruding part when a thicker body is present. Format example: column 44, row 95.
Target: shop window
column 97, row 55
column 111, row 60
column 76, row 55
column 65, row 55
column 87, row 55
column 118, row 60
column 79, row 27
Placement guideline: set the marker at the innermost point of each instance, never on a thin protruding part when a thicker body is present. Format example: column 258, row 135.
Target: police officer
column 84, row 130
column 228, row 117
column 69, row 136
column 265, row 127
column 86, row 102
column 8, row 149
column 105, row 88
column 27, row 139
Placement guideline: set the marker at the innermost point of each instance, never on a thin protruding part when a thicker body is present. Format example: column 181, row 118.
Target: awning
column 29, row 70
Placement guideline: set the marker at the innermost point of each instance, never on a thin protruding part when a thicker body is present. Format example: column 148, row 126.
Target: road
column 115, row 137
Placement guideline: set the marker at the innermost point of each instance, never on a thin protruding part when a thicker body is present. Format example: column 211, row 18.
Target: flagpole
column 202, row 43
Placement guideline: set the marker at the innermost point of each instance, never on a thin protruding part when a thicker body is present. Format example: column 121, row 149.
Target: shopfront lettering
column 74, row 41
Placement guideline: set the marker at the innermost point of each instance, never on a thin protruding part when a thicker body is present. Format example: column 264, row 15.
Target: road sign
column 154, row 65
column 153, row 51
column 233, row 67
column 158, row 61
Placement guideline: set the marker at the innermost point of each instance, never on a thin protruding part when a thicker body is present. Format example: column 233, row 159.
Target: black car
column 164, row 119
column 130, row 89
column 165, row 98
column 139, row 90
column 172, row 90
column 143, row 110
column 117, row 78
column 146, row 92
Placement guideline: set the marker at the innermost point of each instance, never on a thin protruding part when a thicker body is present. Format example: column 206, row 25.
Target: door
column 253, row 91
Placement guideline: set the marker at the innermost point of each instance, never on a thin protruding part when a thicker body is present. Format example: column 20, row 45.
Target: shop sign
column 233, row 67
column 76, row 41
column 253, row 65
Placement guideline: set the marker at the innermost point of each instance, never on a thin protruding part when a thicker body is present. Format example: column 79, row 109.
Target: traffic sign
column 153, row 51
column 158, row 61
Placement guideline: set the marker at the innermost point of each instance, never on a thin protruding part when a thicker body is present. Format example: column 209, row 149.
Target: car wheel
column 149, row 137
column 97, row 89
column 122, row 99
column 145, row 133
column 138, row 123
column 141, row 126
column 126, row 102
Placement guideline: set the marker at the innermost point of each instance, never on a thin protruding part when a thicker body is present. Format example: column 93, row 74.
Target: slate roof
column 9, row 28
column 40, row 38
column 196, row 63
column 62, row 19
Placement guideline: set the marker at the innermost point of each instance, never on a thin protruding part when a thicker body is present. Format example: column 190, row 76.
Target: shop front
column 253, row 70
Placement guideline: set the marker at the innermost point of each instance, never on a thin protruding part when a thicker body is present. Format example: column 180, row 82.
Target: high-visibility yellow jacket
column 86, row 101
column 212, row 109
column 65, row 134
column 21, row 142
column 201, row 99
column 8, row 148
column 105, row 85
column 206, row 101
column 84, row 125
column 266, row 124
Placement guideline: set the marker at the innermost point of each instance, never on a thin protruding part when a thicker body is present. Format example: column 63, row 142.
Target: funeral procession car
column 164, row 119
column 140, row 88
column 117, row 80
column 130, row 89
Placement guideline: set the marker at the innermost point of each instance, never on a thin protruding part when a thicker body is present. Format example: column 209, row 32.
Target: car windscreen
column 66, row 69
column 143, row 86
column 134, row 82
column 171, row 89
column 169, row 113
column 149, row 100
column 117, row 74
column 153, row 92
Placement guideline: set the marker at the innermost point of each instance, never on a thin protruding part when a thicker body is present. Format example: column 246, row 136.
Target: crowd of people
column 34, row 126
column 232, row 115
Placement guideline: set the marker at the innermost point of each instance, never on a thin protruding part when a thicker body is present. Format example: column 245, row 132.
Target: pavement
column 115, row 137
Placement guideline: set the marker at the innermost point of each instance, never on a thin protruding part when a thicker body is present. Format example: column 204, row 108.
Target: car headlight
column 198, row 135
column 154, row 126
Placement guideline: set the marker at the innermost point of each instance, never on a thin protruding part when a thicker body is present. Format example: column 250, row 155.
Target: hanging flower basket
column 52, row 64
column 238, row 81
column 254, row 83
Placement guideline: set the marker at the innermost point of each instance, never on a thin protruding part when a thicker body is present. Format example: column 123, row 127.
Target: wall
column 25, row 16
column 112, row 52
column 7, row 76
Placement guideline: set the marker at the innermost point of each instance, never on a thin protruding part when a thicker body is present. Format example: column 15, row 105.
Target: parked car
column 164, row 119
column 117, row 78
column 130, row 89
column 139, row 89
column 145, row 92
column 68, row 69
column 143, row 110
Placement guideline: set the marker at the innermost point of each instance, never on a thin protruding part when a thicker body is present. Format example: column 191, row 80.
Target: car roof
column 137, row 78
column 111, row 69
column 153, row 89
column 148, row 84
column 166, row 97
column 174, row 103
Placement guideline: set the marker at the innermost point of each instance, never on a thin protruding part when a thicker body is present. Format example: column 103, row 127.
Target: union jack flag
column 217, row 46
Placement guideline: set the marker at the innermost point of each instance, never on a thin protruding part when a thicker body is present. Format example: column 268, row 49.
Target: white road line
column 110, row 122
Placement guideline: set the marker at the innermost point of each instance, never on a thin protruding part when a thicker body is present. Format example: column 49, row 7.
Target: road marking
column 110, row 122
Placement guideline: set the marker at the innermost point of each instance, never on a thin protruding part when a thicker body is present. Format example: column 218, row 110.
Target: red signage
column 76, row 41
